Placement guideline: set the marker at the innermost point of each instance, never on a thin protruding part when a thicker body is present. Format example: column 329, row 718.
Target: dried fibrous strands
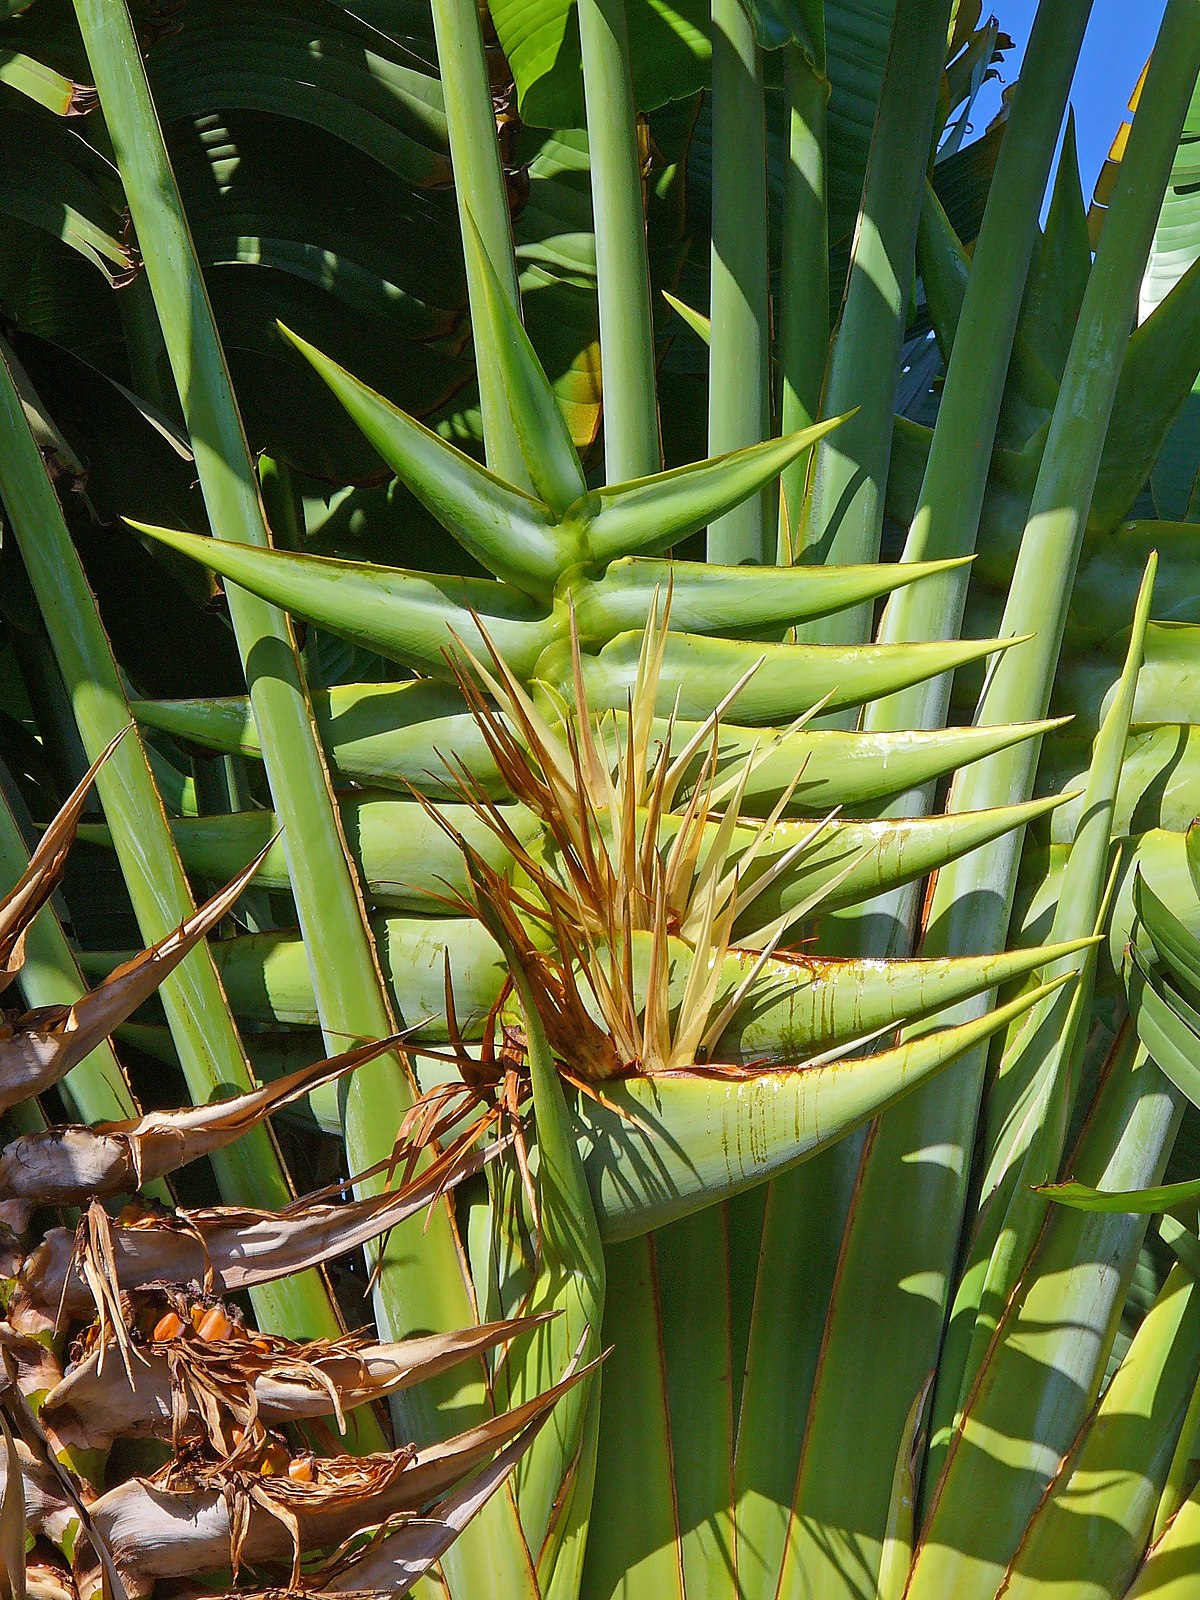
column 639, row 842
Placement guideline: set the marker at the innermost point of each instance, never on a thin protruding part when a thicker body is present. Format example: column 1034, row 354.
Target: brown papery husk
column 70, row 1165
column 198, row 1517
column 266, row 1377
column 223, row 1249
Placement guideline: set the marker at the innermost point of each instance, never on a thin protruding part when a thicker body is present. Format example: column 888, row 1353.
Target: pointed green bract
column 401, row 734
column 408, row 616
column 787, row 680
column 546, row 445
column 658, row 1148
column 712, row 599
column 398, row 850
column 510, row 533
column 649, row 514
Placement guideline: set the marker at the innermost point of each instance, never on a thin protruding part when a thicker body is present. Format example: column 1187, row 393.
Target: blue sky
column 1120, row 36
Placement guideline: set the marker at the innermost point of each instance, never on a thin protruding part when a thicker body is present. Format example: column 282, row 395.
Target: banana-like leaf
column 407, row 616
column 660, row 1147
column 402, row 734
column 1161, row 859
column 1166, row 1025
column 1176, row 946
column 1157, row 377
column 322, row 74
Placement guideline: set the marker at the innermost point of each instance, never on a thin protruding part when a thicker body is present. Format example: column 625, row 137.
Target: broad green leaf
column 668, row 47
column 1175, row 249
column 783, row 22
column 1160, row 368
column 1166, row 1025
column 352, row 84
column 1174, row 944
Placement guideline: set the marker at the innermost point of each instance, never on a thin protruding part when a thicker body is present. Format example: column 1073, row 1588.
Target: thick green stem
column 422, row 1279
column 248, row 1172
column 739, row 385
column 844, row 517
column 481, row 191
column 631, row 442
column 952, row 491
column 804, row 286
column 888, row 1313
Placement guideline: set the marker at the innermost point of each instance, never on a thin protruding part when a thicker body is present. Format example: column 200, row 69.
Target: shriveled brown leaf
column 197, row 1516
column 12, row 1519
column 222, row 1248
column 68, row 1165
column 187, row 1382
column 41, row 1047
column 44, row 872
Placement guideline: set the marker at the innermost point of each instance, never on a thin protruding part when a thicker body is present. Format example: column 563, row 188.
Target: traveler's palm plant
column 634, row 845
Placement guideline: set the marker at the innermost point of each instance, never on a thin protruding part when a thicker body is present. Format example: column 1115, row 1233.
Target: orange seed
column 214, row 1324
